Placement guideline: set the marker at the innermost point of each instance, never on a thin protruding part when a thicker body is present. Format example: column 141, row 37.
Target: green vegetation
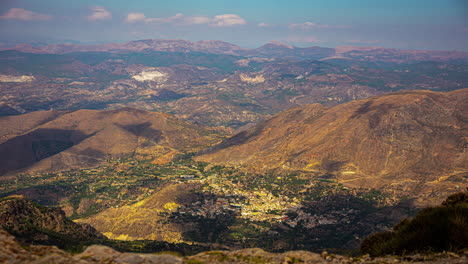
column 252, row 259
column 150, row 246
column 246, row 233
column 219, row 255
column 121, row 181
column 433, row 229
column 194, row 261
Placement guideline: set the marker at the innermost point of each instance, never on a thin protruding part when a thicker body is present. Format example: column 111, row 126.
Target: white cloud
column 140, row 17
column 225, row 20
column 99, row 13
column 263, row 24
column 307, row 25
column 135, row 17
column 23, row 14
column 197, row 20
column 310, row 25
column 165, row 20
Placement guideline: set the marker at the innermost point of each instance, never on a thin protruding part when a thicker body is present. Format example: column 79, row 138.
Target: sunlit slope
column 147, row 219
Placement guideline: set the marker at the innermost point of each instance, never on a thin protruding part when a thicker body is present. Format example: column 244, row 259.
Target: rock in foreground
column 12, row 252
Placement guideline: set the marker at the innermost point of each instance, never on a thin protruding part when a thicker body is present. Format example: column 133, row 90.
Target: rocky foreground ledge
column 12, row 252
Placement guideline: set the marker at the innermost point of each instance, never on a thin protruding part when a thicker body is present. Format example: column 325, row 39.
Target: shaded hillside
column 64, row 140
column 433, row 229
column 32, row 223
column 400, row 139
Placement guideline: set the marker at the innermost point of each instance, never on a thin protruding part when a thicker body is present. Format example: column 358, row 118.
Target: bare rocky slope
column 412, row 142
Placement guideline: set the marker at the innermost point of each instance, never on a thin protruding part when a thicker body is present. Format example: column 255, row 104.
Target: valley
column 248, row 190
column 193, row 146
column 186, row 199
column 244, row 132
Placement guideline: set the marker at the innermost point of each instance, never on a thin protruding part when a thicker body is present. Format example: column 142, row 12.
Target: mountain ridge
column 272, row 48
column 412, row 136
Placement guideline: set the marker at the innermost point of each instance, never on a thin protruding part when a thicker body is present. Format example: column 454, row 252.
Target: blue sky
column 404, row 24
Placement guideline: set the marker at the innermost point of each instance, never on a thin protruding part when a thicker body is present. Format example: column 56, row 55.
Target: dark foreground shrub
column 433, row 229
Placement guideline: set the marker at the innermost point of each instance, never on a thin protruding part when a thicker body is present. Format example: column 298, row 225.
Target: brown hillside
column 414, row 136
column 62, row 140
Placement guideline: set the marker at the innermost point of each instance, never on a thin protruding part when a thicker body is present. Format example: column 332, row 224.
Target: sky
column 402, row 24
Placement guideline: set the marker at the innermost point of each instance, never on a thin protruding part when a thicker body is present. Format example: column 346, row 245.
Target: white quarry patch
column 78, row 83
column 255, row 79
column 151, row 75
column 348, row 172
column 243, row 62
column 299, row 77
column 12, row 78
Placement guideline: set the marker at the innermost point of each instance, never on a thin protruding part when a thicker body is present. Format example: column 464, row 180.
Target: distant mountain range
column 211, row 82
column 274, row 49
